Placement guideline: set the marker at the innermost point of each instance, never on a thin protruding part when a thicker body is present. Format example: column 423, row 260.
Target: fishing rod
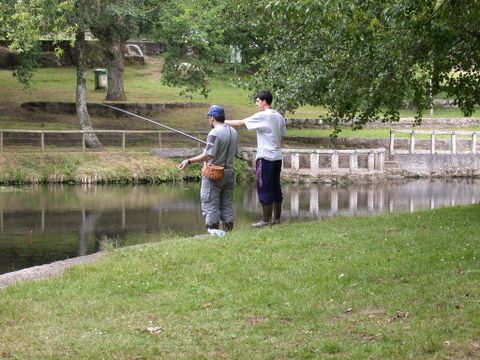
column 153, row 122
column 164, row 126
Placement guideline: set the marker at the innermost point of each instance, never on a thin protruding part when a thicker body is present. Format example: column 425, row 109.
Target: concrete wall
column 438, row 165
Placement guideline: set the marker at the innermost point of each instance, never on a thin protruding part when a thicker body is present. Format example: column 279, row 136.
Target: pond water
column 42, row 224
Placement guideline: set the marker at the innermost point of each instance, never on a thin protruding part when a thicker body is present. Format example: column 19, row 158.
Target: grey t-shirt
column 218, row 141
column 270, row 127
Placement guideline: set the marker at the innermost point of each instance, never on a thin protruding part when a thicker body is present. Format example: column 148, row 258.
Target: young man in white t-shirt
column 270, row 127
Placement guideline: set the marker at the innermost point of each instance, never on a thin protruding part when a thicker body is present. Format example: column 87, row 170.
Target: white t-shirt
column 270, row 127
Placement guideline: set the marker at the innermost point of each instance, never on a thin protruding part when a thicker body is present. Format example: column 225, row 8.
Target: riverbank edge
column 46, row 271
column 57, row 268
column 100, row 167
column 381, row 283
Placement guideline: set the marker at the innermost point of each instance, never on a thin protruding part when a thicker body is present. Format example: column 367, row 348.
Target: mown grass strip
column 393, row 286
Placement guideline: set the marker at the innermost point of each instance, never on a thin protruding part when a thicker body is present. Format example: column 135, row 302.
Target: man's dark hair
column 219, row 118
column 265, row 95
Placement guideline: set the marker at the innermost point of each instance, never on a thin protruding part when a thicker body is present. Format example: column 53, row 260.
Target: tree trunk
column 115, row 56
column 91, row 139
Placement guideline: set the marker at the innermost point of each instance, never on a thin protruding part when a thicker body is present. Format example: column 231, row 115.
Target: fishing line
column 154, row 122
column 159, row 124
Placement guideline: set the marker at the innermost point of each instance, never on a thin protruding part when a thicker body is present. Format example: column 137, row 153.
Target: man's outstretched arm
column 235, row 123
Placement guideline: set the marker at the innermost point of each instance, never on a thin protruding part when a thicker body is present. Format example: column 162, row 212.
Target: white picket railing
column 433, row 140
column 374, row 161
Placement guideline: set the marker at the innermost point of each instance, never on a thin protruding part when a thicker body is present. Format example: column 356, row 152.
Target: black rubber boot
column 267, row 216
column 211, row 226
column 228, row 226
column 277, row 213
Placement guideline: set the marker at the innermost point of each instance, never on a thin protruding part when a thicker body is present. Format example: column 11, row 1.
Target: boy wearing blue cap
column 270, row 127
column 217, row 195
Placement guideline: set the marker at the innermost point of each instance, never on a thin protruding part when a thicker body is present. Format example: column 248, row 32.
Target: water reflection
column 43, row 224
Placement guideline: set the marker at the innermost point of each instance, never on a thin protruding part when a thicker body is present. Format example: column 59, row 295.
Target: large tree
column 57, row 20
column 113, row 23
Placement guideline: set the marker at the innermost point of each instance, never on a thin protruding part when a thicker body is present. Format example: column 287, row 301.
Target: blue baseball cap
column 216, row 111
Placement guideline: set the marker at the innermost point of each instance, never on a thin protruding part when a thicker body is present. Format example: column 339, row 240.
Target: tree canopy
column 366, row 59
column 361, row 59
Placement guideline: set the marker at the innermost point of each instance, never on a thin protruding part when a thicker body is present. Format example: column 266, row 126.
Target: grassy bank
column 96, row 168
column 80, row 168
column 387, row 287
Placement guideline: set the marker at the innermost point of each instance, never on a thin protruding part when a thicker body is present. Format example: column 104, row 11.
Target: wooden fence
column 7, row 137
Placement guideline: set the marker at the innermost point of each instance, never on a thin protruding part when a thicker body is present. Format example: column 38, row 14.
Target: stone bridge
column 313, row 164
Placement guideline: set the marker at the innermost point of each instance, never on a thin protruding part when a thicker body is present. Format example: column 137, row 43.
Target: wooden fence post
column 42, row 141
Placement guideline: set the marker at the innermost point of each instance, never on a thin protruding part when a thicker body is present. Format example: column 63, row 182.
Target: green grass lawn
column 402, row 286
column 143, row 84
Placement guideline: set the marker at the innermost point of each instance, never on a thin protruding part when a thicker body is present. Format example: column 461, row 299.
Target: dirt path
column 45, row 271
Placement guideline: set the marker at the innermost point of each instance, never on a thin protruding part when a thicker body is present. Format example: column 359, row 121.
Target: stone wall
column 424, row 165
column 434, row 123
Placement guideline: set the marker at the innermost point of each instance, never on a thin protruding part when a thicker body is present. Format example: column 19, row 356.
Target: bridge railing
column 453, row 134
column 327, row 161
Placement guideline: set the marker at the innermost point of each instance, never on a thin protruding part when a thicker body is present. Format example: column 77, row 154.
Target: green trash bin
column 100, row 79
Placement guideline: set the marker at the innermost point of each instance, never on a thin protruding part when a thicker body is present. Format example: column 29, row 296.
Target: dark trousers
column 268, row 181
